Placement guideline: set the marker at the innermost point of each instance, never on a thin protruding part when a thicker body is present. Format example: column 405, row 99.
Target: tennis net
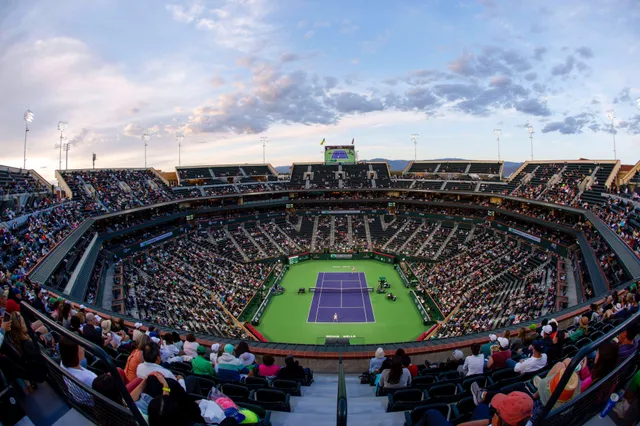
column 340, row 290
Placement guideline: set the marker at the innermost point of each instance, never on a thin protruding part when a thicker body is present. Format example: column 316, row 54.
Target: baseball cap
column 513, row 408
column 229, row 348
column 82, row 307
column 532, row 327
column 504, row 343
column 247, row 358
column 547, row 330
column 201, row 350
column 12, row 306
column 137, row 325
column 215, row 347
column 538, row 346
column 457, row 354
column 493, row 337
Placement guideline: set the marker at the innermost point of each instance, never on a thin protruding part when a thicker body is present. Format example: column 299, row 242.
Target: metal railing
column 588, row 404
column 341, row 415
column 92, row 405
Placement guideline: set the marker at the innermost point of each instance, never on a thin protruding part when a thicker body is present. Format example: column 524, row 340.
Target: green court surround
column 285, row 319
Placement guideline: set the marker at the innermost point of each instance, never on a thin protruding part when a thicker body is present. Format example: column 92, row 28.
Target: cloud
column 585, row 52
column 531, row 76
column 571, row 125
column 533, row 107
column 632, row 125
column 564, row 68
column 539, row 52
column 217, row 81
column 491, row 61
column 350, row 103
column 238, row 25
column 289, row 57
column 186, row 14
column 372, row 46
column 624, row 97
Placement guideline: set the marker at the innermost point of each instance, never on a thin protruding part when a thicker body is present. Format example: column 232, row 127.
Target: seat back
column 465, row 405
column 422, row 382
column 448, row 375
column 235, row 391
column 482, row 381
column 256, row 383
column 505, row 373
column 446, row 389
column 270, row 395
column 287, row 386
column 417, row 413
column 387, row 391
column 407, row 395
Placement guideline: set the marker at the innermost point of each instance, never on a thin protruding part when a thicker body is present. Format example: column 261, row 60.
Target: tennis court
column 339, row 154
column 344, row 294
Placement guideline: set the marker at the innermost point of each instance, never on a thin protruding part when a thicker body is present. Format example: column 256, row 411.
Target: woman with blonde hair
column 135, row 358
column 582, row 330
column 376, row 362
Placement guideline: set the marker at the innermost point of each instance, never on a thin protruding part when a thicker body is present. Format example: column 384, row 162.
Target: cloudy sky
column 227, row 72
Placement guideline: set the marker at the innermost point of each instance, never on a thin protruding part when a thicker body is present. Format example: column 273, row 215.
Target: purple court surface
column 344, row 298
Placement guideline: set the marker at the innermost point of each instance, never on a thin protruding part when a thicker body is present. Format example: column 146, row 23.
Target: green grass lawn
column 285, row 320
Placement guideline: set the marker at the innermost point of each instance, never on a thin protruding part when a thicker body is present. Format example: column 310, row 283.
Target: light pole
column 62, row 126
column 531, row 132
column 611, row 115
column 498, row 133
column 145, row 138
column 264, row 140
column 28, row 118
column 414, row 139
column 179, row 138
column 67, row 147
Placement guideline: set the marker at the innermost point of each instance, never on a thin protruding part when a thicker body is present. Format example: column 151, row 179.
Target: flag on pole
column 322, row 142
column 353, row 140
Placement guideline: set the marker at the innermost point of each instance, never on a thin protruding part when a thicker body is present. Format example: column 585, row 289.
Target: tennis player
column 335, row 317
column 353, row 269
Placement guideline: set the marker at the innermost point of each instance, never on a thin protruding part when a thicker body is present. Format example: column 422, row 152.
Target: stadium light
column 531, row 132
column 28, row 118
column 498, row 133
column 179, row 138
column 264, row 140
column 62, row 126
column 145, row 138
column 414, row 139
column 67, row 147
column 611, row 115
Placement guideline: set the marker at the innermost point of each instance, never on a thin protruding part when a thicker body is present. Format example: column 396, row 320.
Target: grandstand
column 485, row 254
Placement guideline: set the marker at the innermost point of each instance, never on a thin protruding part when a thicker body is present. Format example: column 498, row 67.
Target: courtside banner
column 525, row 235
column 341, row 212
column 156, row 239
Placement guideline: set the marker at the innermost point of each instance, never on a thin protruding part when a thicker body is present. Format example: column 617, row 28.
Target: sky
column 227, row 72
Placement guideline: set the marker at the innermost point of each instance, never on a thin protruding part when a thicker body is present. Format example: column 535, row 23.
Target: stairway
column 253, row 241
column 446, row 241
column 332, row 234
column 393, row 237
column 315, row 233
column 269, row 237
column 235, row 244
column 426, row 240
column 418, row 229
column 367, row 232
column 349, row 231
column 317, row 406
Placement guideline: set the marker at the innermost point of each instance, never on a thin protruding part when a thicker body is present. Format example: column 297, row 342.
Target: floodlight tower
column 611, row 115
column 62, row 126
column 264, row 140
column 531, row 132
column 498, row 133
column 179, row 139
column 28, row 118
column 145, row 138
column 67, row 147
column 414, row 139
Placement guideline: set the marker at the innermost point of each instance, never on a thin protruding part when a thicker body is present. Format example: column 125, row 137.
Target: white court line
column 341, row 294
column 319, row 298
column 362, row 294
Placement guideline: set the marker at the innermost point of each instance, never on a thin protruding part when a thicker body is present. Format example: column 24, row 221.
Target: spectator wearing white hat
column 486, row 348
column 213, row 357
column 499, row 358
column 376, row 362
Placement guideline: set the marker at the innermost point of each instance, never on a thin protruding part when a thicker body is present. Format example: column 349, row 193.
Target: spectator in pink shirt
column 267, row 368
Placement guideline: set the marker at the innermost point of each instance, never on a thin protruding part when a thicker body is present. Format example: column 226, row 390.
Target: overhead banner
column 156, row 239
column 525, row 235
